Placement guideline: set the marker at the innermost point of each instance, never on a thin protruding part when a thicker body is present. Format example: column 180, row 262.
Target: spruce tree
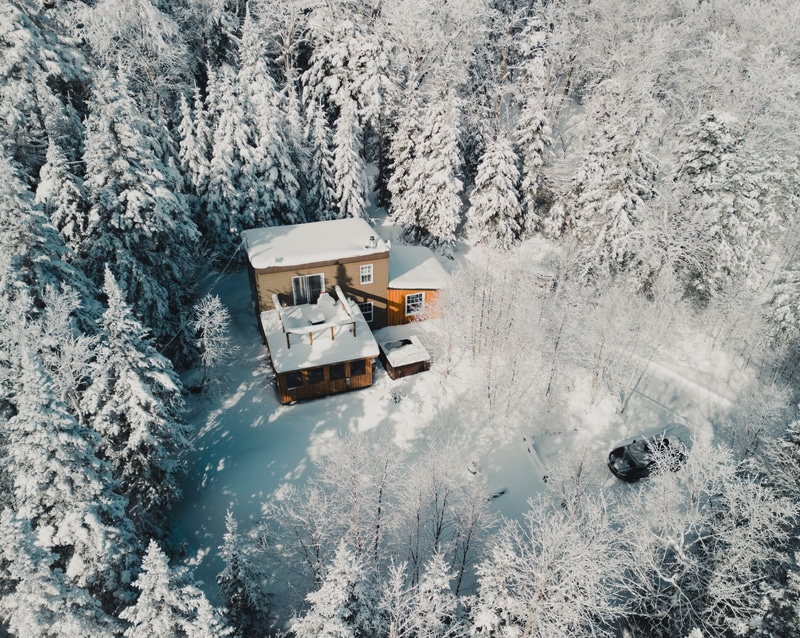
column 495, row 215
column 134, row 402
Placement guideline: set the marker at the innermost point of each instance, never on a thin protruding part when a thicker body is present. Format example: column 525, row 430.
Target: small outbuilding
column 404, row 356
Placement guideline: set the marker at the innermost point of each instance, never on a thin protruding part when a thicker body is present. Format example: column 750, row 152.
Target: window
column 294, row 380
column 358, row 368
column 307, row 288
column 367, row 309
column 316, row 375
column 415, row 303
column 337, row 372
column 366, row 274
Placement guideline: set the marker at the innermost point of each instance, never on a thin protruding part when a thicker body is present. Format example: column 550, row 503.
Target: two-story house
column 319, row 291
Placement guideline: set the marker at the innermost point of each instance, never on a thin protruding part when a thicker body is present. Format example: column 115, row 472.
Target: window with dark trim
column 294, row 380
column 316, row 375
column 415, row 303
column 307, row 288
column 337, row 372
column 368, row 310
column 358, row 368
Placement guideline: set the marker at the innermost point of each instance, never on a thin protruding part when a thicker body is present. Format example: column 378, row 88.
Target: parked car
column 639, row 457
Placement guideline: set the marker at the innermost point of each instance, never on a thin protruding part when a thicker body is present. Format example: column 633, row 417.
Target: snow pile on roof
column 415, row 268
column 345, row 338
column 286, row 246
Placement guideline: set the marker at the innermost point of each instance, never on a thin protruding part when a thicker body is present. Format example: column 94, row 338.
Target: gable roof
column 415, row 268
column 298, row 244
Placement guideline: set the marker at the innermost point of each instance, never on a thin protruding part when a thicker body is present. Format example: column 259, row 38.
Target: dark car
column 646, row 454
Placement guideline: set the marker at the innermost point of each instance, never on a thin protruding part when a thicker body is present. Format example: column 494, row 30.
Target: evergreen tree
column 61, row 194
column 241, row 583
column 36, row 601
column 58, row 484
column 321, row 191
column 721, row 186
column 495, row 214
column 231, row 154
column 533, row 140
column 274, row 189
column 431, row 208
column 170, row 605
column 36, row 253
column 350, row 173
column 135, row 404
column 434, row 615
column 345, row 605
column 137, row 222
column 615, row 180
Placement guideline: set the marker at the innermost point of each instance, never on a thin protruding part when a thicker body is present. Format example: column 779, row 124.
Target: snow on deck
column 415, row 268
column 315, row 337
column 286, row 246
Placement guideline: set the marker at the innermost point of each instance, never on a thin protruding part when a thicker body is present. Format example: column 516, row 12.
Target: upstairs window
column 415, row 303
column 366, row 274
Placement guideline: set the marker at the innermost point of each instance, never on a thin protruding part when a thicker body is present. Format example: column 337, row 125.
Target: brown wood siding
column 396, row 311
column 347, row 275
column 327, row 387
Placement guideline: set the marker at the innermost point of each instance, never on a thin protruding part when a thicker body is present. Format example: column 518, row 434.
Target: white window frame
column 367, row 310
column 296, row 283
column 415, row 303
column 367, row 274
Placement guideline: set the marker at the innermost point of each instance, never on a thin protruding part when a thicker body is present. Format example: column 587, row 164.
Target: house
column 319, row 291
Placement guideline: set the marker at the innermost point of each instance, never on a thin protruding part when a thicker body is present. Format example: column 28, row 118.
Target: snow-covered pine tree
column 435, row 612
column 194, row 150
column 59, row 485
column 321, row 203
column 36, row 253
column 345, row 606
column 495, row 215
column 134, row 402
column 721, row 181
column 430, row 210
column 37, row 600
column 533, row 135
column 137, row 222
column 402, row 151
column 61, row 195
column 273, row 198
column 170, row 605
column 231, row 153
column 34, row 57
column 350, row 171
column 615, row 179
column 241, row 583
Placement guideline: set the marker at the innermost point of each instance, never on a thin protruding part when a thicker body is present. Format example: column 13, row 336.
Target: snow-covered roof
column 401, row 352
column 345, row 337
column 298, row 244
column 415, row 268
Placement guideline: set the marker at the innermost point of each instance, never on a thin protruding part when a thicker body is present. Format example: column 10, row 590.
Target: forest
column 653, row 144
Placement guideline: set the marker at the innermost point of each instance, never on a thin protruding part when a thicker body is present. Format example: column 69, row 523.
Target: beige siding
column 347, row 275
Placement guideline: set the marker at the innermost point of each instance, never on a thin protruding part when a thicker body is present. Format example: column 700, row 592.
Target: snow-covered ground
column 247, row 444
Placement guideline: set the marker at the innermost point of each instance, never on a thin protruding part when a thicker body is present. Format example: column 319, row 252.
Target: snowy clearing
column 247, row 445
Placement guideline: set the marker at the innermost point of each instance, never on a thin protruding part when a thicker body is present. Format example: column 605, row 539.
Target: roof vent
column 373, row 242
